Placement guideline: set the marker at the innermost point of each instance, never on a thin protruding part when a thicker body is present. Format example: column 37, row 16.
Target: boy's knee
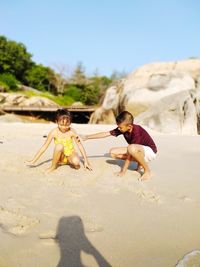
column 132, row 149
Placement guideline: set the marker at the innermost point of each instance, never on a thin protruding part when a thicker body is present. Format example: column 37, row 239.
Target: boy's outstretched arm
column 82, row 150
column 42, row 149
column 95, row 136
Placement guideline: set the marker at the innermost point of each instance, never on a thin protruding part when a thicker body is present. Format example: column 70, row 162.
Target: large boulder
column 107, row 117
column 11, row 99
column 16, row 99
column 38, row 101
column 142, row 88
column 10, row 118
column 177, row 113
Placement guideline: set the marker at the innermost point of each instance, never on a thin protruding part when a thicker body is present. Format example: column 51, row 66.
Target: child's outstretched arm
column 42, row 149
column 95, row 136
column 82, row 150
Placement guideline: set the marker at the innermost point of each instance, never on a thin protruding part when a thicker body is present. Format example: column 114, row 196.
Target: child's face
column 63, row 125
column 124, row 127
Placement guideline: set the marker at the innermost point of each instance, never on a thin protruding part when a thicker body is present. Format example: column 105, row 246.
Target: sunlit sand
column 80, row 218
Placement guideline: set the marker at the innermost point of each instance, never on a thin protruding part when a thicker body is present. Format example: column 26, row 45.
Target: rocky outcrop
column 107, row 117
column 10, row 118
column 145, row 87
column 15, row 99
column 177, row 113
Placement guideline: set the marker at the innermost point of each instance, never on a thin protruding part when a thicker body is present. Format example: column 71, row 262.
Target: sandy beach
column 79, row 218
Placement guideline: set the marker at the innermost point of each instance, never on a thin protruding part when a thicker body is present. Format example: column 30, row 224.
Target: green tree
column 38, row 77
column 74, row 92
column 14, row 58
column 102, row 82
column 90, row 94
column 9, row 81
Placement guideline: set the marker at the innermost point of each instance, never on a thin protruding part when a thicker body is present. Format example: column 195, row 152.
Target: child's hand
column 87, row 166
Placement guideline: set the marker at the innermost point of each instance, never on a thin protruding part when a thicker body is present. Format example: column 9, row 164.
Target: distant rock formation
column 147, row 86
column 107, row 117
column 77, row 104
column 15, row 99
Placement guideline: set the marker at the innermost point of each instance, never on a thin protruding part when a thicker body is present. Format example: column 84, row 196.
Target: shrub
column 3, row 87
column 9, row 80
column 74, row 92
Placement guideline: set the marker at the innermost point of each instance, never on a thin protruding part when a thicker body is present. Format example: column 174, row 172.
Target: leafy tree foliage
column 16, row 61
column 14, row 58
column 16, row 66
column 8, row 81
column 38, row 77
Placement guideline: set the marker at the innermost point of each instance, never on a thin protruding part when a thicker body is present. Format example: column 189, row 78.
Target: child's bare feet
column 146, row 176
column 140, row 169
column 120, row 174
column 76, row 167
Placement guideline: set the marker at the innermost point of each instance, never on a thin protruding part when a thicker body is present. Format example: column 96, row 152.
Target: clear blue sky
column 104, row 34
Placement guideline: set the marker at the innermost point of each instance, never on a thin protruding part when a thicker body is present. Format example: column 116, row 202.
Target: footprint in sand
column 75, row 194
column 92, row 227
column 12, row 222
column 148, row 195
column 55, row 181
column 185, row 199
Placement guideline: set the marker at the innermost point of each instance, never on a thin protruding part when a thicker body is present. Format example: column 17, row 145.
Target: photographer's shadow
column 72, row 240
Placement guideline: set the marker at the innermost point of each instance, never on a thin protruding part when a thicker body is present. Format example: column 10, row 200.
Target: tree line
column 18, row 68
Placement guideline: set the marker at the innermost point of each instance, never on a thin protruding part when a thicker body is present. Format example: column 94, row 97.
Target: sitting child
column 64, row 151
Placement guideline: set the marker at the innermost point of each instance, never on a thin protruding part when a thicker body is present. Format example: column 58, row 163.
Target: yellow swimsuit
column 67, row 144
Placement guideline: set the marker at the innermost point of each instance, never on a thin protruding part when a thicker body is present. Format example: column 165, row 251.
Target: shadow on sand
column 72, row 240
column 39, row 164
column 106, row 155
column 133, row 165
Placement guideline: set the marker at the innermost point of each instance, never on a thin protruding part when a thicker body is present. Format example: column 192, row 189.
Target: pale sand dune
column 57, row 219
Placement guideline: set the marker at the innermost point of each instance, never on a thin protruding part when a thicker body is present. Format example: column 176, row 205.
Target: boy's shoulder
column 138, row 126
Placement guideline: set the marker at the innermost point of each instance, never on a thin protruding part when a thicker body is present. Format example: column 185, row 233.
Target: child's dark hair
column 126, row 117
column 63, row 113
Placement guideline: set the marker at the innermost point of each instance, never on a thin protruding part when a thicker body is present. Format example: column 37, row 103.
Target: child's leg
column 74, row 160
column 58, row 151
column 137, row 152
column 119, row 153
column 63, row 159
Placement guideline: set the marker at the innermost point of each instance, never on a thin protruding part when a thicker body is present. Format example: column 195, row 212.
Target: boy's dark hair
column 126, row 117
column 64, row 114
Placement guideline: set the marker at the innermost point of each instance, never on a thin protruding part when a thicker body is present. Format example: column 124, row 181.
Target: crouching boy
column 141, row 147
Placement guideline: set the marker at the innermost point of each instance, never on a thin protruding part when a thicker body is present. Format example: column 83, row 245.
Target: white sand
column 57, row 219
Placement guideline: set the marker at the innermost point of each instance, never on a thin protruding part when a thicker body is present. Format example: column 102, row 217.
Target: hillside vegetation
column 18, row 71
